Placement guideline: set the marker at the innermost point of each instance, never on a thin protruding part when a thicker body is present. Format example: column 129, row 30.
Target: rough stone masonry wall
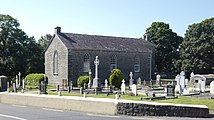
column 136, row 109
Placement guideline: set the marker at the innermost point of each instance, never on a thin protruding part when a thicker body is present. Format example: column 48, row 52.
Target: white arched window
column 86, row 63
column 137, row 64
column 113, row 64
column 55, row 63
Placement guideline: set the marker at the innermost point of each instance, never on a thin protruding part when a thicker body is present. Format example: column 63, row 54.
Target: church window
column 113, row 62
column 137, row 64
column 86, row 63
column 55, row 63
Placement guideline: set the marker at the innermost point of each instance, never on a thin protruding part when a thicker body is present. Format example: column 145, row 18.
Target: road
column 16, row 112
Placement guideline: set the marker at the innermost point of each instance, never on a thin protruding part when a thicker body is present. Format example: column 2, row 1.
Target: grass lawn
column 180, row 100
column 190, row 100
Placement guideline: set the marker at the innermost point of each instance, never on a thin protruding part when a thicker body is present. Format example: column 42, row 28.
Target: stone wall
column 139, row 109
column 56, row 45
column 125, row 62
column 105, row 106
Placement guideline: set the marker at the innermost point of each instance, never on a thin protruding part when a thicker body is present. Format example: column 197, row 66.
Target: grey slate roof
column 104, row 43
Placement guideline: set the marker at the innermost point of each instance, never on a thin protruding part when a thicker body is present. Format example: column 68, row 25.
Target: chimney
column 57, row 30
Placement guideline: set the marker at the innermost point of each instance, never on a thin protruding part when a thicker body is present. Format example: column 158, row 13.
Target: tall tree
column 16, row 48
column 197, row 49
column 167, row 46
column 44, row 40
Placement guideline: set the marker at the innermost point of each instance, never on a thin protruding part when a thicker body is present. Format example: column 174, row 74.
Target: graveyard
column 196, row 90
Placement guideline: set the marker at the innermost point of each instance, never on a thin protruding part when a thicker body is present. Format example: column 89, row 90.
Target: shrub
column 116, row 78
column 34, row 79
column 81, row 80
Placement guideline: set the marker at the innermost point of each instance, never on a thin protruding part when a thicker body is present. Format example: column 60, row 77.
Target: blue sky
column 125, row 18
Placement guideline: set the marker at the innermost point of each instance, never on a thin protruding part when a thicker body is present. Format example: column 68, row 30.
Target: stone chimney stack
column 57, row 30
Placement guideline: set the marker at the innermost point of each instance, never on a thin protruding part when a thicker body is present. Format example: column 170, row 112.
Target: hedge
column 81, row 80
column 116, row 78
column 34, row 79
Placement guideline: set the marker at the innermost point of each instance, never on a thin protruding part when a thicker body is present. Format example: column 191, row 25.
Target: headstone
column 182, row 79
column 106, row 83
column 186, row 81
column 123, row 87
column 144, row 83
column 23, row 84
column 84, row 86
column 96, row 80
column 212, row 87
column 14, row 87
column 139, row 81
column 158, row 80
column 170, row 91
column 185, row 91
column 81, row 90
column 42, row 87
column 131, row 79
column 3, row 83
column 178, row 86
column 134, row 89
column 17, row 82
column 151, row 84
column 191, row 77
column 19, row 78
column 71, row 85
column 203, row 85
column 89, row 82
column 8, row 86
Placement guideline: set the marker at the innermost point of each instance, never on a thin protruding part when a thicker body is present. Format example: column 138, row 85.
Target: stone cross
column 95, row 80
column 96, row 63
column 123, row 87
column 106, row 83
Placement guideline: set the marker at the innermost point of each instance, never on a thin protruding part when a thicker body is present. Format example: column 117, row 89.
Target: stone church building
column 71, row 55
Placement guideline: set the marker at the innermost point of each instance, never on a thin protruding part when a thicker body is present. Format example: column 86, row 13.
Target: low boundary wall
column 105, row 106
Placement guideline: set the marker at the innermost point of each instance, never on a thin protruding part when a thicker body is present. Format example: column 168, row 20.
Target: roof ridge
column 104, row 36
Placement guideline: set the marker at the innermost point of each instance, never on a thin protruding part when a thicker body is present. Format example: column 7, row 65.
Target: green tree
column 116, row 78
column 197, row 48
column 44, row 40
column 16, row 48
column 167, row 46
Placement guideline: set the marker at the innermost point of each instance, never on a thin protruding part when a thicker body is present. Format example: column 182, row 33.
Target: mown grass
column 180, row 100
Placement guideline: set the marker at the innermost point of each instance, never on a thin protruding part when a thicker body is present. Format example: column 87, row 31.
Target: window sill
column 55, row 74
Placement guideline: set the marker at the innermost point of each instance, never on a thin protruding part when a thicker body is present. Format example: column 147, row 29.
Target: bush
column 81, row 80
column 34, row 79
column 116, row 78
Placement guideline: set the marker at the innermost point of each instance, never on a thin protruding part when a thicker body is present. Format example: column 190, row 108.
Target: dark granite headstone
column 3, row 83
column 170, row 90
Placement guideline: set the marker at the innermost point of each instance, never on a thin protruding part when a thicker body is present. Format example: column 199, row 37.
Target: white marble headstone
column 134, row 89
column 212, row 87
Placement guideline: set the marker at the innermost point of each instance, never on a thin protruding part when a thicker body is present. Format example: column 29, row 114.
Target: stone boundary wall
column 105, row 106
column 139, row 109
column 60, row 102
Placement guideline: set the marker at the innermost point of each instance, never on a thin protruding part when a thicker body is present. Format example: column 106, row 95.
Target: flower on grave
column 130, row 93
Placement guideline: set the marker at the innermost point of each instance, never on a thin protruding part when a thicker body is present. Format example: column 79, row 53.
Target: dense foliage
column 34, row 79
column 167, row 46
column 81, row 80
column 197, row 48
column 18, row 52
column 116, row 78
